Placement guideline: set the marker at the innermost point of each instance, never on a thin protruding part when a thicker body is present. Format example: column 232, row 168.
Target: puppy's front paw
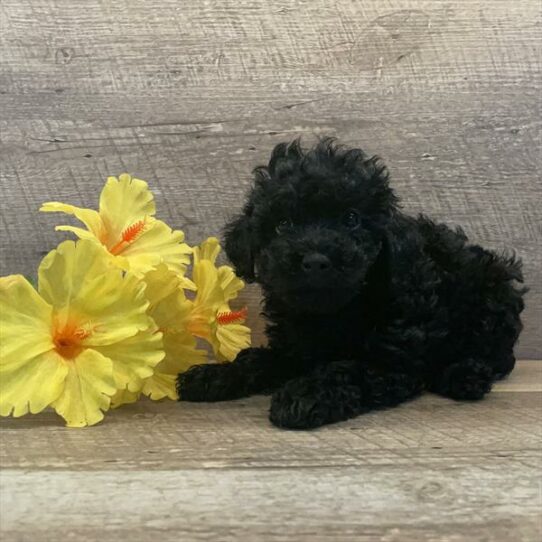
column 297, row 406
column 307, row 403
column 206, row 383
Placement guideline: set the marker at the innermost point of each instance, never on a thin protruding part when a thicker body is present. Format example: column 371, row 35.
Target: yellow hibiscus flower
column 230, row 283
column 125, row 226
column 77, row 340
column 170, row 310
column 211, row 317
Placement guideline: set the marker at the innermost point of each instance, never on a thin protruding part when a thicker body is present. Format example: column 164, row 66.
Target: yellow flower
column 230, row 283
column 77, row 340
column 208, row 250
column 124, row 397
column 125, row 226
column 171, row 311
column 211, row 317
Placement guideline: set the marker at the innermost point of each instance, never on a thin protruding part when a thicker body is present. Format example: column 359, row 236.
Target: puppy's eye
column 351, row 219
column 283, row 225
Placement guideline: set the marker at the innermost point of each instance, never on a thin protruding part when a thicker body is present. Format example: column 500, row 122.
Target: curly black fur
column 366, row 306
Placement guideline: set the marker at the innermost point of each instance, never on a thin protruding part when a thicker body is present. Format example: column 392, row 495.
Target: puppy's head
column 313, row 225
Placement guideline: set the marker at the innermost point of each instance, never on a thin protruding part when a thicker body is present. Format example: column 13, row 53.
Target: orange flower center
column 232, row 317
column 128, row 236
column 68, row 339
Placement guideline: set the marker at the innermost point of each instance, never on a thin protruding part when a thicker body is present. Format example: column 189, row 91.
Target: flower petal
column 158, row 244
column 209, row 293
column 172, row 312
column 231, row 338
column 215, row 288
column 208, row 299
column 208, row 250
column 123, row 202
column 134, row 358
column 161, row 282
column 88, row 389
column 181, row 354
column 159, row 386
column 116, row 308
column 124, row 397
column 187, row 284
column 31, row 385
column 80, row 283
column 229, row 282
column 90, row 218
column 80, row 232
column 25, row 321
column 65, row 270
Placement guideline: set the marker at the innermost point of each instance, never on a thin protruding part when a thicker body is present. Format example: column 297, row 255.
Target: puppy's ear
column 238, row 245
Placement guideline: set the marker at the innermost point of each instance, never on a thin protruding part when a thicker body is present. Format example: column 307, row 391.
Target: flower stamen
column 129, row 235
column 232, row 317
column 68, row 339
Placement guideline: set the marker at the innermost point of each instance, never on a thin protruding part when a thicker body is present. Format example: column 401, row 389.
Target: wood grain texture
column 192, row 95
column 430, row 470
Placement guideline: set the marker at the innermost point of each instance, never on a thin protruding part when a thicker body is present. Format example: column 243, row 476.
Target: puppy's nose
column 315, row 263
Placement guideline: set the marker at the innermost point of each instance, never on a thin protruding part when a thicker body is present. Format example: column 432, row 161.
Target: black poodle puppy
column 366, row 307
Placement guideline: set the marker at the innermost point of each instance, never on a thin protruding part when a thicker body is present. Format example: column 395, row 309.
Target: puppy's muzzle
column 316, row 267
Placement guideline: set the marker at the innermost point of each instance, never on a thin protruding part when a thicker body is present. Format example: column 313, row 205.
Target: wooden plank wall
column 190, row 95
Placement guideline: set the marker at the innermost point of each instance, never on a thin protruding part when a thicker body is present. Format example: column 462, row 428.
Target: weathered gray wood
column 192, row 95
column 351, row 503
column 433, row 469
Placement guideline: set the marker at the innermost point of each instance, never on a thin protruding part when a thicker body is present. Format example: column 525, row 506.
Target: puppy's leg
column 254, row 370
column 338, row 391
column 469, row 379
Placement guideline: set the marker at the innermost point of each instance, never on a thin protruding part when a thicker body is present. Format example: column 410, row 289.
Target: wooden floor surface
column 433, row 469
